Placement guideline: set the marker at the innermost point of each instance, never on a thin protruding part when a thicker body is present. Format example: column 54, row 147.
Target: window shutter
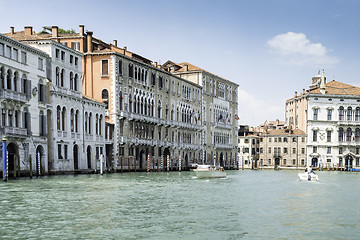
column 44, row 93
column 45, row 125
column 29, row 123
column 39, row 92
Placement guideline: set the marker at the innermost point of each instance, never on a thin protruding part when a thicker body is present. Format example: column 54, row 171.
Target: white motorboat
column 209, row 171
column 305, row 176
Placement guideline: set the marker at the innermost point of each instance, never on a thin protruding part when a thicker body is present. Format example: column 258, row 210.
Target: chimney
column 155, row 64
column 295, row 94
column 322, row 83
column 89, row 41
column 12, row 30
column 81, row 31
column 28, row 31
column 186, row 67
column 303, row 91
column 115, row 43
column 55, row 31
column 125, row 48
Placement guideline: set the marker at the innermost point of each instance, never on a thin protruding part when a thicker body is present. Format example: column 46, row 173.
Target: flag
column 236, row 117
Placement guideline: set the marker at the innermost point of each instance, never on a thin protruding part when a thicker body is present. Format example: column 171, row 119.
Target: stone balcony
column 6, row 95
column 223, row 125
column 14, row 132
column 222, row 146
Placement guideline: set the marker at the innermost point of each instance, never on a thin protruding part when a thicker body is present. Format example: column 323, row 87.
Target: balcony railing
column 13, row 131
column 6, row 94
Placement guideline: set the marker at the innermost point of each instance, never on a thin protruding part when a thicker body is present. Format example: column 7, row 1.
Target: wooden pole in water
column 121, row 162
column 15, row 167
column 153, row 164
column 168, row 163
column 30, row 166
column 135, row 164
column 18, row 158
column 95, row 162
column 179, row 163
column 148, row 163
column 129, row 164
column 157, row 164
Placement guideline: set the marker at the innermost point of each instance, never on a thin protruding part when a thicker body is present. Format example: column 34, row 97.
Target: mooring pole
column 5, row 160
column 153, row 164
column 180, row 163
column 157, row 164
column 101, row 164
column 121, row 161
column 148, row 163
column 30, row 160
column 168, row 162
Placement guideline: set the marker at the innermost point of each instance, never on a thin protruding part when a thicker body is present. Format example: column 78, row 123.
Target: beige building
column 219, row 112
column 282, row 148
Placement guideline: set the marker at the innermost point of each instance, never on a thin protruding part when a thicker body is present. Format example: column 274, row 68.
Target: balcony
column 6, row 94
column 14, row 132
column 348, row 123
column 222, row 146
column 277, row 155
column 349, row 143
column 223, row 125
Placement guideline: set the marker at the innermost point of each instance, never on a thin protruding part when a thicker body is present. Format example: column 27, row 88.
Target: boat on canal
column 209, row 171
column 308, row 176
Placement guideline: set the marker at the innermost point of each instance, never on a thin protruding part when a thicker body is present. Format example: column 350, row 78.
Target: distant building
column 330, row 115
column 248, row 147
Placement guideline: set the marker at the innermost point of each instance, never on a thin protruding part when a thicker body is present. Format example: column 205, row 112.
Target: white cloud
column 255, row 111
column 295, row 49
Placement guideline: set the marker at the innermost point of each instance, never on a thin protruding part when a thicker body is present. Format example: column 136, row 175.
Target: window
column 284, row 162
column 302, row 150
column 357, row 135
column 329, row 114
column 341, row 134
column 1, row 49
column 105, row 98
column 63, row 55
column 270, row 139
column 75, row 45
column 294, row 162
column 302, row 162
column 8, row 52
column 349, row 114
column 285, row 150
column 59, row 151
column 269, row 150
column 131, row 70
column 348, row 134
column 275, row 139
column 315, row 135
column 23, row 57
column 294, row 139
column 120, row 67
column 357, row 114
column 15, row 54
column 303, row 139
column 357, row 150
column 340, row 150
column 76, row 61
column 71, row 59
column 314, row 149
column 341, row 113
column 65, row 151
column 294, row 151
column 328, row 150
column 104, row 67
column 285, row 139
column 315, row 114
column 328, row 136
column 40, row 64
column 57, row 53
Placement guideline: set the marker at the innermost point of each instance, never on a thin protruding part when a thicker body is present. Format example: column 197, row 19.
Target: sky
column 271, row 48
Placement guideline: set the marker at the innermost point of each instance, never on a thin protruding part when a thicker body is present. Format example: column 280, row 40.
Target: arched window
column 142, row 106
column 86, row 123
column 41, row 123
column 130, row 103
column 16, row 116
column 145, row 106
column 134, row 104
column 62, row 76
column 57, row 76
column 105, row 98
column 120, row 101
column 341, row 113
column 71, row 80
column 138, row 104
column 97, row 124
column 136, row 73
column 159, row 109
column 120, row 67
column 131, row 70
column 341, row 134
column 2, row 77
column 76, row 82
column 77, row 121
column 63, row 119
column 152, row 107
column 100, row 124
column 72, row 120
column 16, row 80
column 357, row 114
column 90, row 120
column 8, row 79
column 349, row 114
column 348, row 134
column 357, row 135
column 58, row 117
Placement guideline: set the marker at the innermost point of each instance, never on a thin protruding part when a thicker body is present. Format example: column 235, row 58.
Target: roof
column 279, row 132
column 338, row 88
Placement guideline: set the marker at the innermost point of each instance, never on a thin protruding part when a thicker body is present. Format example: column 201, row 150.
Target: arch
column 277, row 162
column 63, row 119
column 57, row 76
column 8, row 79
column 76, row 156
column 348, row 161
column 314, row 162
column 88, row 156
column 221, row 159
column 39, row 160
column 12, row 150
column 16, row 81
column 120, row 101
column 71, row 80
column 76, row 82
column 341, row 113
column 62, row 76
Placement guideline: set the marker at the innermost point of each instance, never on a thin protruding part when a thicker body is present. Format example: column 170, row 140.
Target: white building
column 330, row 114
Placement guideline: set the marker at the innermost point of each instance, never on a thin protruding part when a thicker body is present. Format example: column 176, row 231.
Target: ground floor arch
column 314, row 162
column 348, row 162
column 88, row 156
column 76, row 156
column 12, row 150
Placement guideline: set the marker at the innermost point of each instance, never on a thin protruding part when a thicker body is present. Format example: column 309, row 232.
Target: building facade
column 330, row 114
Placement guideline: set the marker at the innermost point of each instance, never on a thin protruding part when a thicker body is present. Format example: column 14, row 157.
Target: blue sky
column 271, row 48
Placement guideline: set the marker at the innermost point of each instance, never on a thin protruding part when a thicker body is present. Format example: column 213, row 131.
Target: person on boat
column 309, row 171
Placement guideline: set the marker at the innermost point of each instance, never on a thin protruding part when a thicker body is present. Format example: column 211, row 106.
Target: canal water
column 246, row 205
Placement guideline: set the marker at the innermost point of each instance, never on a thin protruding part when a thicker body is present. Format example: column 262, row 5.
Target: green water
column 245, row 205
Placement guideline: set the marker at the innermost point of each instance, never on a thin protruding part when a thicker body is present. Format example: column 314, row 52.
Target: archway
column 12, row 151
column 76, row 157
column 348, row 162
column 186, row 160
column 166, row 156
column 314, row 162
column 39, row 160
column 88, row 156
column 221, row 159
column 277, row 162
column 142, row 159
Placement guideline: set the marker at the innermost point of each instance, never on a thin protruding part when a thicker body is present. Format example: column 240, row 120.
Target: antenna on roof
column 333, row 77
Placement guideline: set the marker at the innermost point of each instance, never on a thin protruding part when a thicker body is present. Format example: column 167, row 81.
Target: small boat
column 305, row 176
column 209, row 171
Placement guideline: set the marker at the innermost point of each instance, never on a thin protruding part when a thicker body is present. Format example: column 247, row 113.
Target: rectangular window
column 314, row 149
column 316, row 114
column 65, row 151
column 303, row 139
column 275, row 139
column 71, row 59
column 357, row 150
column 302, row 162
column 269, row 161
column 40, row 64
column 76, row 61
column 294, row 150
column 63, row 55
column 294, row 161
column 104, row 67
column 328, row 136
column 75, row 45
column 59, row 152
column 329, row 114
column 1, row 49
column 314, row 135
column 57, row 53
column 285, row 139
column 284, row 162
column 285, row 150
column 340, row 150
column 15, row 54
column 8, row 52
column 269, row 150
column 328, row 150
column 302, row 150
column 269, row 139
column 23, row 57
